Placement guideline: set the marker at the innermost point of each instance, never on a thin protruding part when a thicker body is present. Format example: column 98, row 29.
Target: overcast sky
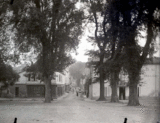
column 84, row 45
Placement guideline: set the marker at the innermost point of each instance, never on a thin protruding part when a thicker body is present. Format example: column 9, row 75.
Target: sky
column 85, row 45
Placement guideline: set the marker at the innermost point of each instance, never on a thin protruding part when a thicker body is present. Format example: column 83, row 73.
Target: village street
column 73, row 109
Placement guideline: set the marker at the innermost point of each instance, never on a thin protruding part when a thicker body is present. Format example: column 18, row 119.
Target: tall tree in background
column 134, row 14
column 101, row 39
column 107, row 30
column 52, row 28
column 106, row 35
column 112, row 65
column 135, row 57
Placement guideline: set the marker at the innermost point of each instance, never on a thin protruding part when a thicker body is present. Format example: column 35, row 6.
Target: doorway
column 122, row 93
column 138, row 91
column 16, row 91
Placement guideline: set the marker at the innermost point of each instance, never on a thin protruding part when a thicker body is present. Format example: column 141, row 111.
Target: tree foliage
column 52, row 28
column 7, row 75
column 118, row 30
column 132, row 16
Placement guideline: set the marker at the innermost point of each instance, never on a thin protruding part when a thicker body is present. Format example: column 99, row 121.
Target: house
column 29, row 86
column 148, row 86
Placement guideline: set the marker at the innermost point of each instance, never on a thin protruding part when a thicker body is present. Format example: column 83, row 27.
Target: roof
column 96, row 59
column 32, row 83
column 154, row 60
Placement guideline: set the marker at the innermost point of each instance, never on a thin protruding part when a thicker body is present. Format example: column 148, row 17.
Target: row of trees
column 117, row 27
column 52, row 28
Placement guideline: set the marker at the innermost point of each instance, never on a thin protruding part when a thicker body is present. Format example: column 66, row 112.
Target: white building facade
column 149, row 85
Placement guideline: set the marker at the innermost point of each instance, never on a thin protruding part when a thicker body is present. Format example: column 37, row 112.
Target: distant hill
column 77, row 69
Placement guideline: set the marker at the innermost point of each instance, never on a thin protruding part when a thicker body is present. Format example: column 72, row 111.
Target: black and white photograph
column 79, row 61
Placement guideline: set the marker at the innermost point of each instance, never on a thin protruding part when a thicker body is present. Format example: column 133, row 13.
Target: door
column 138, row 91
column 16, row 91
column 122, row 92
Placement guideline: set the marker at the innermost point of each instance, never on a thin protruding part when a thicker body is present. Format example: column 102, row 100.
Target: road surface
column 73, row 109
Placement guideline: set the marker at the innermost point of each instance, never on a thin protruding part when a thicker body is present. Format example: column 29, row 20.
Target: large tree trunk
column 47, row 70
column 0, row 92
column 48, row 97
column 101, row 98
column 134, row 75
column 114, row 96
column 114, row 86
column 133, row 94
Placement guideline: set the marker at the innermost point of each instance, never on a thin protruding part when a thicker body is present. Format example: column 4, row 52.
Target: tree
column 86, row 86
column 125, row 19
column 52, row 28
column 134, row 15
column 112, row 65
column 136, row 58
column 7, row 75
column 107, row 29
column 101, row 39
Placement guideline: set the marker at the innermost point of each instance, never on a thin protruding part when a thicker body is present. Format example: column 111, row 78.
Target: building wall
column 61, row 78
column 36, row 90
column 109, row 90
column 150, row 86
column 60, row 90
column 22, row 78
column 22, row 90
column 151, row 79
column 94, row 90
